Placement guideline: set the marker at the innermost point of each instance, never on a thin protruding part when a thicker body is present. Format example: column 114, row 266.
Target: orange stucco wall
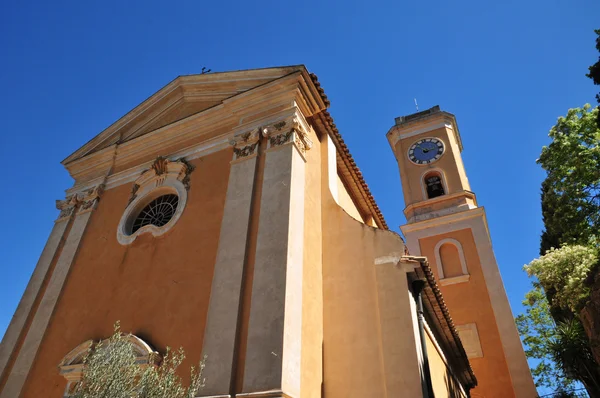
column 346, row 202
column 450, row 163
column 312, row 283
column 445, row 384
column 492, row 370
column 450, row 260
column 354, row 339
column 158, row 288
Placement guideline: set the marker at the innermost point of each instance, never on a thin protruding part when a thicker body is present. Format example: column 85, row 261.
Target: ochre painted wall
column 450, row 163
column 346, row 202
column 444, row 382
column 492, row 374
column 353, row 347
column 158, row 288
column 312, row 283
column 450, row 259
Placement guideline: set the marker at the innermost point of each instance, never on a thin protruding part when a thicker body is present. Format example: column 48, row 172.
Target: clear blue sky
column 506, row 69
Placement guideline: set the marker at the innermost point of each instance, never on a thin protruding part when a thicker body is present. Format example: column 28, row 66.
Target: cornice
column 208, row 87
column 453, row 218
column 420, row 126
column 230, row 117
column 351, row 174
column 195, row 151
column 440, row 199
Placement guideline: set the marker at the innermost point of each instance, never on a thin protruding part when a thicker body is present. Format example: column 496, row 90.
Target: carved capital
column 245, row 146
column 89, row 199
column 291, row 130
column 80, row 202
column 66, row 207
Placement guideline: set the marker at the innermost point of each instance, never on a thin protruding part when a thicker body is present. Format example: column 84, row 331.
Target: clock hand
column 424, row 150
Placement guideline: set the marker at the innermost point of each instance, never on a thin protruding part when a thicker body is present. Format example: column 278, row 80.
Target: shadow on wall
column 452, row 386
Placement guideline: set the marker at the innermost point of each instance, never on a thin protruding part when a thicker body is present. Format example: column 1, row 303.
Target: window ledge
column 455, row 279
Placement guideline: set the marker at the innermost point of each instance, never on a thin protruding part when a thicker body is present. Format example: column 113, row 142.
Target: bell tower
column 445, row 224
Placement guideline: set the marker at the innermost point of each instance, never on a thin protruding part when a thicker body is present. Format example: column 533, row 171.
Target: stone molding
column 71, row 366
column 292, row 130
column 222, row 320
column 18, row 322
column 475, row 220
column 454, row 280
column 41, row 318
column 416, row 127
column 292, row 90
column 265, row 394
column 245, row 147
column 273, row 354
column 191, row 152
column 81, row 202
column 164, row 176
column 470, row 338
column 461, row 256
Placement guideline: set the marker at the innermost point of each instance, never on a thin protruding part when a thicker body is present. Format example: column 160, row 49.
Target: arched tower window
column 434, row 184
column 451, row 264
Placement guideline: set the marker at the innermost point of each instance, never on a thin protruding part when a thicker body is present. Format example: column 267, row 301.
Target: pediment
column 183, row 97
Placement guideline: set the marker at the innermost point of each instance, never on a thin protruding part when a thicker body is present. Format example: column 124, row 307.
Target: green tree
column 560, row 349
column 564, row 272
column 110, row 371
column 594, row 73
column 538, row 331
column 571, row 190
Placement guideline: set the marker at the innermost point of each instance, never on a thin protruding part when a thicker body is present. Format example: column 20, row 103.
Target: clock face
column 425, row 151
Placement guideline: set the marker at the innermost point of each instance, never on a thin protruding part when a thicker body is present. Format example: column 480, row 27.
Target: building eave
column 437, row 309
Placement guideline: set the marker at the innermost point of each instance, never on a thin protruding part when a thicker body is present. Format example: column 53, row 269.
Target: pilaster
column 225, row 298
column 397, row 317
column 15, row 328
column 77, row 207
column 273, row 354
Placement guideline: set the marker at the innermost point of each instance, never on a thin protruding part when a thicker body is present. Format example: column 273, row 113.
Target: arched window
column 71, row 367
column 451, row 264
column 434, row 185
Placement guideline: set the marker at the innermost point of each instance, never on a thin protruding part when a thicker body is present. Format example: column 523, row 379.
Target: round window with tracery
column 158, row 212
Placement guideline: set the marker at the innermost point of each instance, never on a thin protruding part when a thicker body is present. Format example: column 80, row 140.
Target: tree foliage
column 571, row 190
column 594, row 73
column 551, row 330
column 560, row 349
column 564, row 272
column 538, row 331
column 110, row 371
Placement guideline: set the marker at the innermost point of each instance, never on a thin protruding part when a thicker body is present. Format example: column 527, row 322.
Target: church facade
column 226, row 215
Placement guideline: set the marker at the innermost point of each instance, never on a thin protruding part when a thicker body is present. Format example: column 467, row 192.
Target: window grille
column 158, row 212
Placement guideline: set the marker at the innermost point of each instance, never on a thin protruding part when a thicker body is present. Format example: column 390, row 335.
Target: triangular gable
column 183, row 97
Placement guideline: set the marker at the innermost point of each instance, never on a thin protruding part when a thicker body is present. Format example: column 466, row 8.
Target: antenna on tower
column 417, row 105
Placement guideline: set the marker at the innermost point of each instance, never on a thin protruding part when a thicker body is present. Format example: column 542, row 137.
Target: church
column 226, row 215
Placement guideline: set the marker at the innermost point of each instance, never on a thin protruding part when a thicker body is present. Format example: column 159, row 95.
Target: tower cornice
column 421, row 123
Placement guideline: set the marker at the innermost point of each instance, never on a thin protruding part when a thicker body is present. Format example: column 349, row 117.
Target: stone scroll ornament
column 159, row 171
column 288, row 131
column 164, row 177
column 245, row 146
column 80, row 202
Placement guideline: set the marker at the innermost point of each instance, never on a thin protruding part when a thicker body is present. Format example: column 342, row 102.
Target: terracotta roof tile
column 438, row 307
column 347, row 158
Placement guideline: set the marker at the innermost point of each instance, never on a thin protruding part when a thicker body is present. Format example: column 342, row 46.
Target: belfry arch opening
column 434, row 184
